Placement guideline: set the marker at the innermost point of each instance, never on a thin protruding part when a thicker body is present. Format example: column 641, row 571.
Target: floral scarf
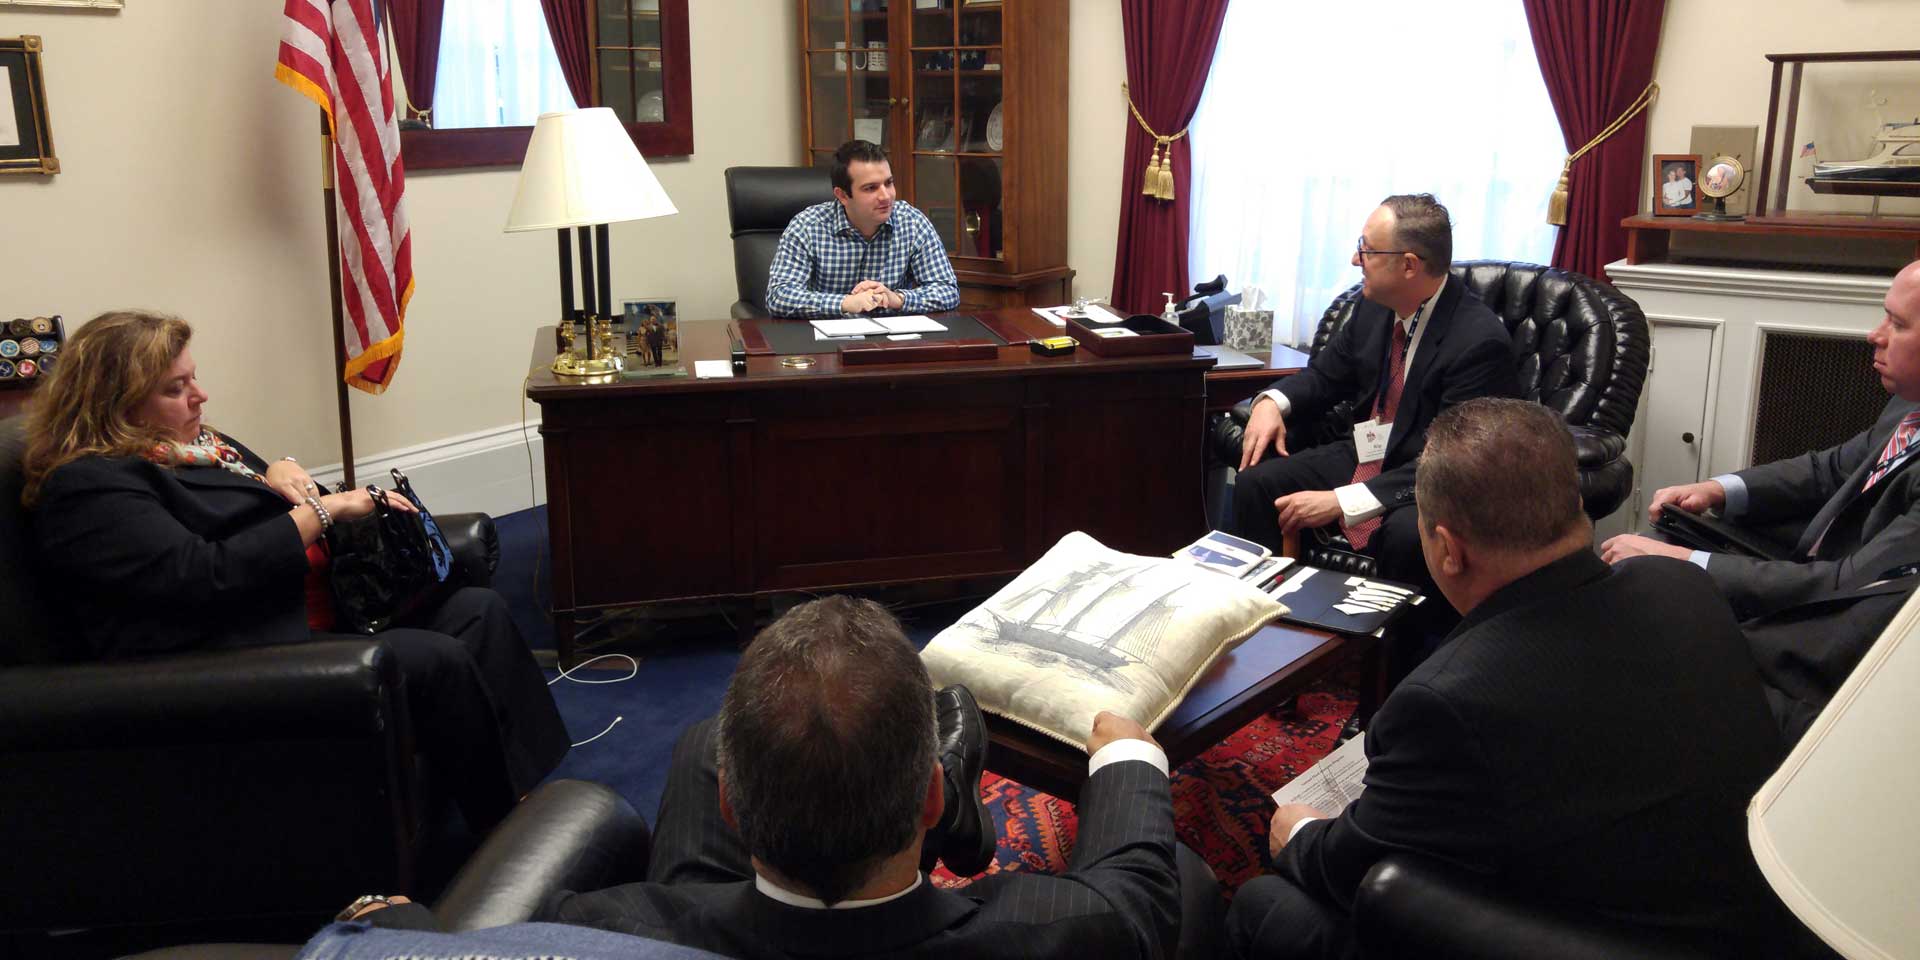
column 209, row 449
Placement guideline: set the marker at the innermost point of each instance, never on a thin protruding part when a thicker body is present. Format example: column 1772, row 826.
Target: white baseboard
column 482, row 472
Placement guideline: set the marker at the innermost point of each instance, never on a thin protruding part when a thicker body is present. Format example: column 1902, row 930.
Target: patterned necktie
column 1389, row 402
column 1896, row 446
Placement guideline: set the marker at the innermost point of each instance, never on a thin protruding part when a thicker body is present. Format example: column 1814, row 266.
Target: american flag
column 336, row 54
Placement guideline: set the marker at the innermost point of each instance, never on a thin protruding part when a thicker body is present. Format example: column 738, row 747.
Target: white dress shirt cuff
column 1279, row 400
column 1736, row 495
column 1699, row 558
column 1358, row 503
column 1127, row 750
column 1297, row 825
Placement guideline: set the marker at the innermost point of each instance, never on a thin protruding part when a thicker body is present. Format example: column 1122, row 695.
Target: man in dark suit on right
column 1588, row 735
column 1812, row 616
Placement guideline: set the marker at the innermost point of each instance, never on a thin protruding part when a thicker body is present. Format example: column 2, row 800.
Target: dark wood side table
column 1263, row 672
column 1228, row 387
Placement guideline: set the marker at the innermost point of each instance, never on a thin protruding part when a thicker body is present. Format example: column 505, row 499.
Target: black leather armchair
column 760, row 201
column 221, row 785
column 567, row 835
column 1581, row 348
column 1413, row 907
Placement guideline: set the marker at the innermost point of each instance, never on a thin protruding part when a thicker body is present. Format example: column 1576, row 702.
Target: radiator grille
column 1815, row 391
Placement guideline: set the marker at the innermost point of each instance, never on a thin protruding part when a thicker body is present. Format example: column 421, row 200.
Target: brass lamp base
column 567, row 365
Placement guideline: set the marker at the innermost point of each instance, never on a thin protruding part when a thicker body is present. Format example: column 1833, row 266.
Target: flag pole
column 339, row 309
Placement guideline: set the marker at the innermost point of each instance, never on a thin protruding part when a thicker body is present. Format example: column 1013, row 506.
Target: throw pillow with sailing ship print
column 1088, row 629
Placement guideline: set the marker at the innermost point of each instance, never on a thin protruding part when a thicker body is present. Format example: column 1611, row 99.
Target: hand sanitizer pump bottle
column 1169, row 314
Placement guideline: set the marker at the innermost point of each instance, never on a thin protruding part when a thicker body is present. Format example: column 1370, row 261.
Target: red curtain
column 416, row 40
column 1169, row 51
column 567, row 24
column 1597, row 57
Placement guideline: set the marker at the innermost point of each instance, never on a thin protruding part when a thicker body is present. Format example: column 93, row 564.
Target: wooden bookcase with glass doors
column 969, row 98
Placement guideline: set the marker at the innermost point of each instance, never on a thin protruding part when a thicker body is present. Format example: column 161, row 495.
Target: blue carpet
column 679, row 682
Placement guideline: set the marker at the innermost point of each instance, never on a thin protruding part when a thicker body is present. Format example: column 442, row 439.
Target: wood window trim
column 507, row 146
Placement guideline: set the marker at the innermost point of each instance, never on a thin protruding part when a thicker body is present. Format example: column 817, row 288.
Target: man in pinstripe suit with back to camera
column 800, row 821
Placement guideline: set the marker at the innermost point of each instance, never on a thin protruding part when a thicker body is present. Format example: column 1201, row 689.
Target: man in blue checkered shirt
column 865, row 252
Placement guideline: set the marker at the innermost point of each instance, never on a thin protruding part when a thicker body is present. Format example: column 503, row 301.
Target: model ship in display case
column 1896, row 161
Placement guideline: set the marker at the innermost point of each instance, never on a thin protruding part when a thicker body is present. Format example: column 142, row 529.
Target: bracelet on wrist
column 326, row 519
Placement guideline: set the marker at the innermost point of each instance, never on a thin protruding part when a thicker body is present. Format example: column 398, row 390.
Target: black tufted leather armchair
column 760, row 201
column 1580, row 346
column 205, row 787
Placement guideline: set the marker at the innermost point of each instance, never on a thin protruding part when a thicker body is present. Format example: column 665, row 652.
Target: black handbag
column 387, row 564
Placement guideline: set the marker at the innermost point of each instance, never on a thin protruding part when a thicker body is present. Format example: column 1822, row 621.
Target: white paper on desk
column 913, row 324
column 849, row 327
column 1331, row 784
column 903, row 336
column 1100, row 314
column 1054, row 315
column 1292, row 583
column 712, row 369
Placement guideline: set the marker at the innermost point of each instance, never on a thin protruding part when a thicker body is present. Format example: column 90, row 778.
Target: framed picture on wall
column 26, row 139
column 1676, row 190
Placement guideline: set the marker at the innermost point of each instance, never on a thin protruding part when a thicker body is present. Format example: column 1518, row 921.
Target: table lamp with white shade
column 1836, row 829
column 583, row 171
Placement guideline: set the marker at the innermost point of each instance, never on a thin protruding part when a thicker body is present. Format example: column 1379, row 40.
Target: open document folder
column 869, row 326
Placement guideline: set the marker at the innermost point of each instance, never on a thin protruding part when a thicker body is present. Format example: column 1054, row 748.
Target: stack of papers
column 1095, row 314
column 868, row 326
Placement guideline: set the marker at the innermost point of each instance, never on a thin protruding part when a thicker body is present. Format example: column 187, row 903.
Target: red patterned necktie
column 1896, row 445
column 1360, row 533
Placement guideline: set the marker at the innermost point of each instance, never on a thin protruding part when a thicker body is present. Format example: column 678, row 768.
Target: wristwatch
column 364, row 901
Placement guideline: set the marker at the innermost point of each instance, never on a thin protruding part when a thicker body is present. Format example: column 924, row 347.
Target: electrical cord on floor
column 568, row 674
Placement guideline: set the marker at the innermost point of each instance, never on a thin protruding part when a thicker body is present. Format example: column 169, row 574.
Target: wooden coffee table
column 1261, row 673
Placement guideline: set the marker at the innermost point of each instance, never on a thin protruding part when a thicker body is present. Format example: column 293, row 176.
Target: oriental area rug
column 1221, row 799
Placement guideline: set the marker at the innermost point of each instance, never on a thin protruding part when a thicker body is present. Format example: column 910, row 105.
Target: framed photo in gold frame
column 26, row 142
column 1676, row 184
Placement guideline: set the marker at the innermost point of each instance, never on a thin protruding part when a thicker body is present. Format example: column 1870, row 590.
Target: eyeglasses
column 1360, row 249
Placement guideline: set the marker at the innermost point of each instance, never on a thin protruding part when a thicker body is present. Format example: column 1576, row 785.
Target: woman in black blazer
column 166, row 535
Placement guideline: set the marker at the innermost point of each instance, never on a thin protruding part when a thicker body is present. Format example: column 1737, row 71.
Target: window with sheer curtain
column 1312, row 114
column 497, row 66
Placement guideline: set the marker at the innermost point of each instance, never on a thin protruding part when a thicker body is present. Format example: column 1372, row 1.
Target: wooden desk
column 1263, row 672
column 827, row 477
column 1228, row 387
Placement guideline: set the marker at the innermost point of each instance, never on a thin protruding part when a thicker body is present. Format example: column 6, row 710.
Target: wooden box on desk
column 1154, row 336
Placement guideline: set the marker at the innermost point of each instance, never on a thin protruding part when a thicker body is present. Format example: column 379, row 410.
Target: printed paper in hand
column 1331, row 784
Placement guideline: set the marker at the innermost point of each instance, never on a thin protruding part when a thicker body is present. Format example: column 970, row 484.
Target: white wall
column 1713, row 70
column 190, row 184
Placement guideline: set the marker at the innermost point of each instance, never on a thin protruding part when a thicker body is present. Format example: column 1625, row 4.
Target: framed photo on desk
column 652, row 329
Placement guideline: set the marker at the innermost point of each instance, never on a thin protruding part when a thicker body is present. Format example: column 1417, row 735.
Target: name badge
column 1370, row 439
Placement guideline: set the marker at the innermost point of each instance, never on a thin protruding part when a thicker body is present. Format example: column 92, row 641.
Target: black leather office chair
column 760, row 201
column 1581, row 348
column 212, row 786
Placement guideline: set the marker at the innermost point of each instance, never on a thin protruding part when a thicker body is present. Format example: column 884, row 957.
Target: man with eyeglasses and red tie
column 1417, row 343
column 1811, row 616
